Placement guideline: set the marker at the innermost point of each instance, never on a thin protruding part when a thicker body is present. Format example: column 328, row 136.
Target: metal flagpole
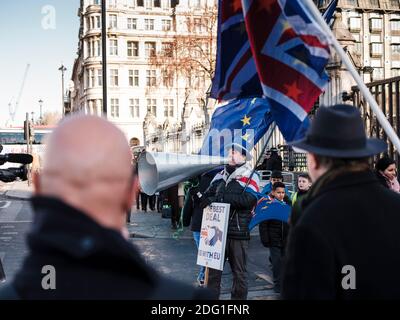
column 260, row 155
column 363, row 88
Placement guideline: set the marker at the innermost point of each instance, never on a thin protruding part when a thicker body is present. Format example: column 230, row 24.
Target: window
column 114, row 77
column 98, row 22
column 377, row 74
column 113, row 47
column 199, row 80
column 376, row 49
column 395, row 25
column 132, row 23
column 355, row 24
column 150, row 49
column 394, row 4
column 149, row 24
column 166, row 25
column 112, row 3
column 166, row 4
column 94, row 107
column 98, row 48
column 168, row 107
column 134, row 108
column 376, row 24
column 359, row 47
column 167, row 49
column 196, row 3
column 115, row 108
column 113, row 21
column 373, row 3
column 96, row 1
column 87, row 76
column 197, row 24
column 152, row 106
column 139, row 3
column 99, row 77
column 149, row 4
column 92, row 78
column 89, row 48
column 151, row 78
column 395, row 48
column 157, row 3
column 88, row 23
column 133, row 48
column 395, row 72
column 168, row 78
column 134, row 78
column 92, row 22
column 99, row 103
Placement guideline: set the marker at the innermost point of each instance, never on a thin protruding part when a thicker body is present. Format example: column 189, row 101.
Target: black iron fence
column 387, row 95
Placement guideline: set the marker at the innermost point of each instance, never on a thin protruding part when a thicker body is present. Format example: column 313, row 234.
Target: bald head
column 88, row 165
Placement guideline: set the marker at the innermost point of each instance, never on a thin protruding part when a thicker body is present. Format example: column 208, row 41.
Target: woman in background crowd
column 386, row 172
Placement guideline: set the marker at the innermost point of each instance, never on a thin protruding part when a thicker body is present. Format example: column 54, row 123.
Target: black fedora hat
column 338, row 132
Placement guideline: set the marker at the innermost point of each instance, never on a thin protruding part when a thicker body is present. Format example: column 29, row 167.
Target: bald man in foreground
column 77, row 246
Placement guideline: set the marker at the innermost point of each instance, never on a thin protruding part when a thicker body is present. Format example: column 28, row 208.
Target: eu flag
column 242, row 121
column 269, row 209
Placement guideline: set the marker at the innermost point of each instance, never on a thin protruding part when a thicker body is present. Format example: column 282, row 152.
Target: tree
column 51, row 118
column 190, row 53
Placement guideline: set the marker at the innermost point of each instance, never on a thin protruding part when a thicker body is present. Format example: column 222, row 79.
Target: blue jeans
column 196, row 237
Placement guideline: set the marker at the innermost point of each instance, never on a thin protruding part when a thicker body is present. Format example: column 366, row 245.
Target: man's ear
column 37, row 188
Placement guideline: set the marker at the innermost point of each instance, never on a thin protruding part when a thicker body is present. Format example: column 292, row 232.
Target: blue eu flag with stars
column 242, row 121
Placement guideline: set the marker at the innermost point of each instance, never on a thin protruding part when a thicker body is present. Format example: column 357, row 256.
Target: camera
column 12, row 174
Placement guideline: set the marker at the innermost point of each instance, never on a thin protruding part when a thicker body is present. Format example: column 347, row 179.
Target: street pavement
column 172, row 252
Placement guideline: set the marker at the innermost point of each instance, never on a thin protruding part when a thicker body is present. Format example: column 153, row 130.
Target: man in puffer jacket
column 234, row 185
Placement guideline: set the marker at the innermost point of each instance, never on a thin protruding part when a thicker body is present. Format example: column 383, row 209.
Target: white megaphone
column 159, row 170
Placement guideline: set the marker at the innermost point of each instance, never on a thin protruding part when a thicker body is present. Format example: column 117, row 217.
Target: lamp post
column 104, row 53
column 62, row 69
column 40, row 106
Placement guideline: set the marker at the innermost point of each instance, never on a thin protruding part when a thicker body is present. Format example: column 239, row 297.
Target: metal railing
column 387, row 95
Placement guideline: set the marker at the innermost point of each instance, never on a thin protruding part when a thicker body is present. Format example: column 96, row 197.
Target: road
column 175, row 258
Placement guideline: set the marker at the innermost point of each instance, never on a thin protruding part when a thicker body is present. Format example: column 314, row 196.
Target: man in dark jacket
column 78, row 246
column 345, row 243
column 228, row 186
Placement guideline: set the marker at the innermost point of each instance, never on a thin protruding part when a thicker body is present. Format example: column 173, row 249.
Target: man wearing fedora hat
column 346, row 243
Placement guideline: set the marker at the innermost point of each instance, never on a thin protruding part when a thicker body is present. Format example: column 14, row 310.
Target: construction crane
column 13, row 108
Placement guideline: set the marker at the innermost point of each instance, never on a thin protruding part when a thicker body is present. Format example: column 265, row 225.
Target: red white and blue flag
column 283, row 47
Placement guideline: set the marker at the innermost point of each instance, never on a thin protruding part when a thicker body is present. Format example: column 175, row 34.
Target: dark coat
column 192, row 213
column 273, row 233
column 352, row 220
column 91, row 262
column 242, row 203
column 273, row 163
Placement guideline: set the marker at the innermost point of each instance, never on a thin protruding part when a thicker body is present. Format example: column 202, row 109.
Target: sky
column 43, row 33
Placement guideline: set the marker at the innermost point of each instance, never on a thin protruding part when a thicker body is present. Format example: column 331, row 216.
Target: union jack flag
column 235, row 70
column 288, row 51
